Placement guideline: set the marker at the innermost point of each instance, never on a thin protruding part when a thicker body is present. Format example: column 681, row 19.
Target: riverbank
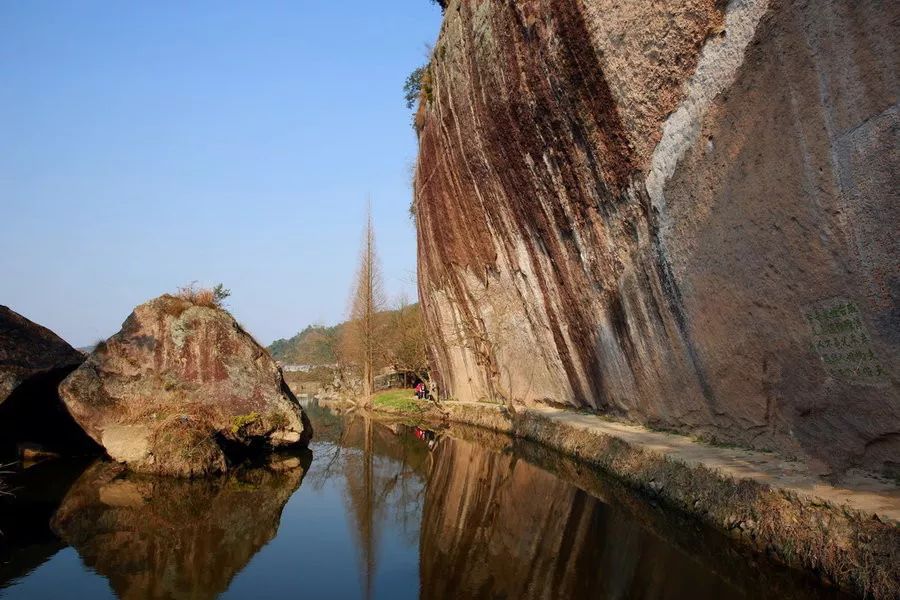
column 845, row 533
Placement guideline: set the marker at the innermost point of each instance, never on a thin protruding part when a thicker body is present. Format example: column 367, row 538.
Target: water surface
column 374, row 511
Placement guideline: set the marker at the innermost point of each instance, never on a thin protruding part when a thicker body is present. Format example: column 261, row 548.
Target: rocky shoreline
column 847, row 537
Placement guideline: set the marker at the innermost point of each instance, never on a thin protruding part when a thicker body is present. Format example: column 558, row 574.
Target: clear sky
column 144, row 145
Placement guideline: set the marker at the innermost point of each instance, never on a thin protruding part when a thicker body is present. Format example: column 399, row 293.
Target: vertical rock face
column 678, row 213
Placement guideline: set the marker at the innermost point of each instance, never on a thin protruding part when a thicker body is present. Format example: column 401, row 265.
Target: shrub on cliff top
column 211, row 298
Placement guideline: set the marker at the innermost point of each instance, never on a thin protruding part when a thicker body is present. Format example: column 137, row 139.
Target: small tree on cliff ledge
column 368, row 299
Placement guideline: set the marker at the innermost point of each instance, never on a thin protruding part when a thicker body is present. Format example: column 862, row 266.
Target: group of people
column 421, row 391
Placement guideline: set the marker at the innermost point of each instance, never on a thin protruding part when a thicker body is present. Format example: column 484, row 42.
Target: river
column 373, row 510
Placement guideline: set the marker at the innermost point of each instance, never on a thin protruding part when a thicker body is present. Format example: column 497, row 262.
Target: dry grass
column 199, row 296
column 185, row 446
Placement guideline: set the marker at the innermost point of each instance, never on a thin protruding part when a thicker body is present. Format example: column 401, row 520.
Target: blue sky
column 149, row 144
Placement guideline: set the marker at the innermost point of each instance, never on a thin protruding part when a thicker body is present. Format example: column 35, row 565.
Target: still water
column 373, row 511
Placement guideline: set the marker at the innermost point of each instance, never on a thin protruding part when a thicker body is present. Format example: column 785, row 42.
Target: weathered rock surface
column 180, row 389
column 28, row 350
column 682, row 214
column 33, row 360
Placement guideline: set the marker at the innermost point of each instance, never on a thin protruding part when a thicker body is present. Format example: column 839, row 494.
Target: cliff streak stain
column 652, row 278
column 718, row 66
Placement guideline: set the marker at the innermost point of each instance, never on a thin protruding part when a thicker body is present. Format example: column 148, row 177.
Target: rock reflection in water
column 385, row 511
column 173, row 538
column 497, row 526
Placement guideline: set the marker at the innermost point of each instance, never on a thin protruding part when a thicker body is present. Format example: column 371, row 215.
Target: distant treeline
column 401, row 343
column 315, row 345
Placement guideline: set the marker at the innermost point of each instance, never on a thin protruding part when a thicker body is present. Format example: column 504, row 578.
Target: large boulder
column 183, row 390
column 28, row 350
column 33, row 361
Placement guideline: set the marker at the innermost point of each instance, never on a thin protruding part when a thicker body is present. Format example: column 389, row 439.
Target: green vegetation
column 418, row 89
column 315, row 345
column 318, row 346
column 198, row 296
column 412, row 88
column 220, row 293
column 278, row 420
column 403, row 400
column 241, row 421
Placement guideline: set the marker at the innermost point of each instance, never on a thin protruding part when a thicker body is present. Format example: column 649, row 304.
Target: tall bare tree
column 367, row 301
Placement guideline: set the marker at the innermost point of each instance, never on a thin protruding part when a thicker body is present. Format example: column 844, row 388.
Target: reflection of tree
column 383, row 470
column 173, row 538
column 498, row 521
column 382, row 484
column 367, row 525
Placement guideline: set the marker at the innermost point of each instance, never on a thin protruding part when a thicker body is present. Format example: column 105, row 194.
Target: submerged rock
column 33, row 360
column 181, row 389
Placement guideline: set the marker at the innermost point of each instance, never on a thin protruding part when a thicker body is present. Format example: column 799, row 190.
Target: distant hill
column 318, row 345
column 315, row 345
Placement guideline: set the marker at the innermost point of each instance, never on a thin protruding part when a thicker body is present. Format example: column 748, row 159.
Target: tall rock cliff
column 679, row 213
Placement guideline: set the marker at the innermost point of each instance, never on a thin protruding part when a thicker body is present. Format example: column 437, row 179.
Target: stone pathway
column 858, row 491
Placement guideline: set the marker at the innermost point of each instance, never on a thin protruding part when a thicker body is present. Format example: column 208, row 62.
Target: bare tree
column 368, row 300
column 406, row 346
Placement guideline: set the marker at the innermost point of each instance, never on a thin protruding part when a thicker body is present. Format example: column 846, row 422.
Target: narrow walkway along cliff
column 681, row 214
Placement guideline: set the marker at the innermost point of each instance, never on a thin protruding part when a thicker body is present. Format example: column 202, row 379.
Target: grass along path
column 400, row 400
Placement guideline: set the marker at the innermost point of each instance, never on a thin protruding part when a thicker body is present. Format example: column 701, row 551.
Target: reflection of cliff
column 173, row 538
column 495, row 526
